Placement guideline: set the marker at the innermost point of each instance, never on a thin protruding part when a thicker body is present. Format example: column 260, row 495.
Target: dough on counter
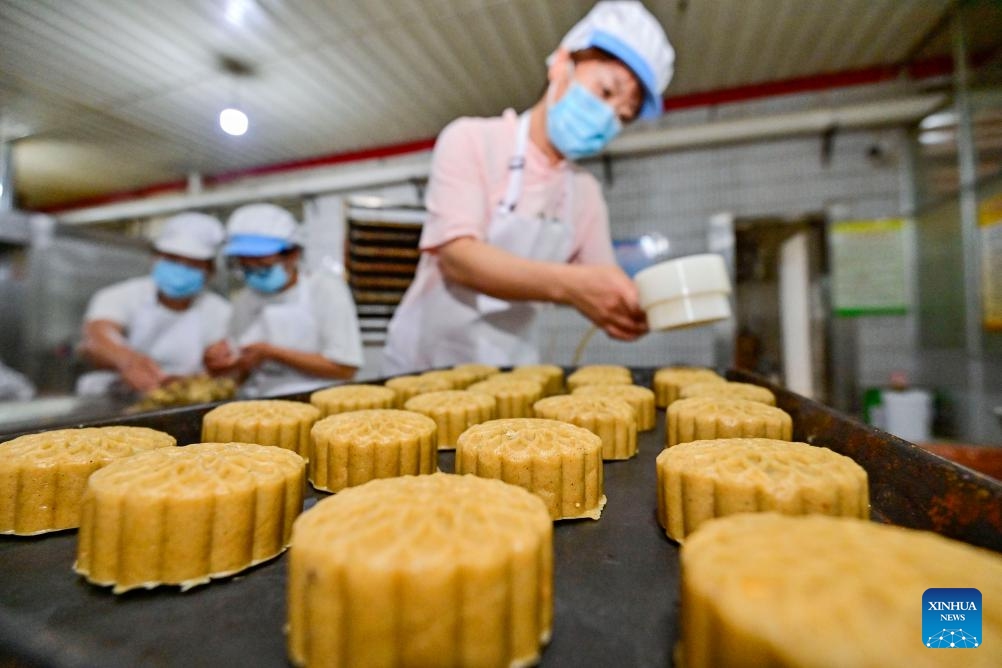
column 353, row 448
column 437, row 570
column 705, row 418
column 43, row 476
column 181, row 516
column 669, row 381
column 640, row 398
column 700, row 480
column 599, row 374
column 411, row 386
column 612, row 420
column 559, row 462
column 765, row 589
column 345, row 398
column 454, row 411
column 728, row 390
column 514, row 394
column 276, row 422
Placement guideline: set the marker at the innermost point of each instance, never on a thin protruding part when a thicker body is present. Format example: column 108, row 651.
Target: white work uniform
column 316, row 315
column 451, row 324
column 175, row 340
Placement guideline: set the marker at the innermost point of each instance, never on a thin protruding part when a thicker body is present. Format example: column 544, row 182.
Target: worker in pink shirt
column 513, row 222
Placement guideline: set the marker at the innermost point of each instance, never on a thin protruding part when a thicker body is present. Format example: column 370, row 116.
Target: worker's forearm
column 312, row 363
column 104, row 345
column 498, row 273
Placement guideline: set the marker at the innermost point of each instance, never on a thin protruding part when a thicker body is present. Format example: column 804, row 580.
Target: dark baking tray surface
column 616, row 589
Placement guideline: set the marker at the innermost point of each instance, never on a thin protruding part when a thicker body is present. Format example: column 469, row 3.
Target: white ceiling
column 107, row 95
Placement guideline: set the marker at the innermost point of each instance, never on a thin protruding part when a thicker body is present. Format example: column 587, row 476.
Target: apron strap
column 516, row 166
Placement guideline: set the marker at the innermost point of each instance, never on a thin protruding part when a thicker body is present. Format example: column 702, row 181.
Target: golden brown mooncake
column 701, row 480
column 640, row 398
column 612, row 420
column 345, row 398
column 43, row 476
column 669, row 381
column 352, row 448
column 514, row 395
column 599, row 374
column 181, row 516
column 550, row 375
column 729, row 390
column 436, row 570
column 764, row 589
column 454, row 411
column 559, row 462
column 283, row 424
column 707, row 418
column 480, row 371
column 411, row 386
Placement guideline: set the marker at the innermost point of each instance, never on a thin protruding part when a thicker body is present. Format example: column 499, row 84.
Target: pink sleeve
column 457, row 187
column 594, row 244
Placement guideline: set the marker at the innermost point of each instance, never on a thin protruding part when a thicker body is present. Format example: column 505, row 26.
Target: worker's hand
column 252, row 355
column 606, row 296
column 219, row 358
column 141, row 373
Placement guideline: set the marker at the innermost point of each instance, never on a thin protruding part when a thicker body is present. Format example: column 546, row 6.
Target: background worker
column 292, row 331
column 146, row 330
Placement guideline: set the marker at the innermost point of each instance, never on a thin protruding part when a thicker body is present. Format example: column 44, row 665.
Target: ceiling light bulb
column 233, row 121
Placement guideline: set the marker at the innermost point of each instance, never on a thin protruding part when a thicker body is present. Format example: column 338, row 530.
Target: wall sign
column 868, row 267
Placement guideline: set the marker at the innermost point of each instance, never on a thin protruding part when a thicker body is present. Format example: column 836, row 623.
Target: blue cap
column 627, row 31
column 254, row 245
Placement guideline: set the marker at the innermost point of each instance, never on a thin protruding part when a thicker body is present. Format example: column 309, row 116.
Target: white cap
column 256, row 230
column 193, row 235
column 626, row 30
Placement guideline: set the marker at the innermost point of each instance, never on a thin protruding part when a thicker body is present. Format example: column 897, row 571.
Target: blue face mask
column 267, row 281
column 176, row 280
column 580, row 124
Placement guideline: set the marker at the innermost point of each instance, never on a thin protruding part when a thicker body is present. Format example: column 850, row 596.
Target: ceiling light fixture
column 940, row 119
column 233, row 121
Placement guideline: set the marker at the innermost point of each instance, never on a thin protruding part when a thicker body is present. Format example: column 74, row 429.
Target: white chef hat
column 626, row 30
column 193, row 235
column 256, row 230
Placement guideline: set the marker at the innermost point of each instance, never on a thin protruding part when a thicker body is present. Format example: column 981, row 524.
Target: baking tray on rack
column 616, row 580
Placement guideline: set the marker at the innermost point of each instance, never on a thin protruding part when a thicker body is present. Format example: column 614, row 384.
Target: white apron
column 289, row 325
column 172, row 339
column 453, row 324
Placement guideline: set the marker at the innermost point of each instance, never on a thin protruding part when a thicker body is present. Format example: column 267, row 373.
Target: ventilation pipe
column 898, row 111
column 13, row 224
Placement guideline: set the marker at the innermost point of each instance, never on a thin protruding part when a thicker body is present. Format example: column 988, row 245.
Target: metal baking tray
column 617, row 579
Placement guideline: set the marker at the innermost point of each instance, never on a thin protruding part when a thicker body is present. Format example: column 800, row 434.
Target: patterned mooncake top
column 417, row 521
column 420, row 384
column 196, row 470
column 276, row 410
column 82, row 445
column 686, row 375
column 354, row 395
column 373, row 427
column 450, row 400
column 770, row 464
column 728, row 390
column 628, row 392
column 499, row 385
column 514, row 437
column 801, row 585
column 722, row 408
column 578, row 406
